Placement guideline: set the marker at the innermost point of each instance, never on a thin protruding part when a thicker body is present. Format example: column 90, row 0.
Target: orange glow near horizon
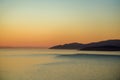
column 44, row 24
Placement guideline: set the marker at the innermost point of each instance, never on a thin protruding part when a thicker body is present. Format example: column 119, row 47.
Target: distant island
column 108, row 45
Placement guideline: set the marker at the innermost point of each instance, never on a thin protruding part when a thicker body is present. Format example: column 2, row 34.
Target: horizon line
column 49, row 46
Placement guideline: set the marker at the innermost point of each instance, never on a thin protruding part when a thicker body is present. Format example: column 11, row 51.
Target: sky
column 44, row 23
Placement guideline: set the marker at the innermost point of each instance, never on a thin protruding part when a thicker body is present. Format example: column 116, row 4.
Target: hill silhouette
column 108, row 45
column 68, row 46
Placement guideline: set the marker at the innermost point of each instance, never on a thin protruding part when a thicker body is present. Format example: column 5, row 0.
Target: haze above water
column 46, row 64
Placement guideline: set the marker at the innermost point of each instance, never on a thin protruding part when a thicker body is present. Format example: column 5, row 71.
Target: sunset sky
column 44, row 23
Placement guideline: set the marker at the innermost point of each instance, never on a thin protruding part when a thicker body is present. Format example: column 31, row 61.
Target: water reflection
column 55, row 65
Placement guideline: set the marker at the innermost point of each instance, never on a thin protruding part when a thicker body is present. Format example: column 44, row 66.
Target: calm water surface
column 45, row 64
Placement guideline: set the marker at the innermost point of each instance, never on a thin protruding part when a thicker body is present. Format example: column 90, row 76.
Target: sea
column 53, row 64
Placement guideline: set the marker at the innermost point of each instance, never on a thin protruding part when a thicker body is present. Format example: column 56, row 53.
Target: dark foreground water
column 45, row 64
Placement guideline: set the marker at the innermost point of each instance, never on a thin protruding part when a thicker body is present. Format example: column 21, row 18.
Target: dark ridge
column 108, row 45
column 102, row 48
column 68, row 46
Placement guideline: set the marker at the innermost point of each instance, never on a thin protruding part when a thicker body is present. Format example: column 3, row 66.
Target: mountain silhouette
column 68, row 46
column 108, row 45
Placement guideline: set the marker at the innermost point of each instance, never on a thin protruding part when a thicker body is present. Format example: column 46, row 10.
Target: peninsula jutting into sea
column 59, row 39
column 108, row 45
